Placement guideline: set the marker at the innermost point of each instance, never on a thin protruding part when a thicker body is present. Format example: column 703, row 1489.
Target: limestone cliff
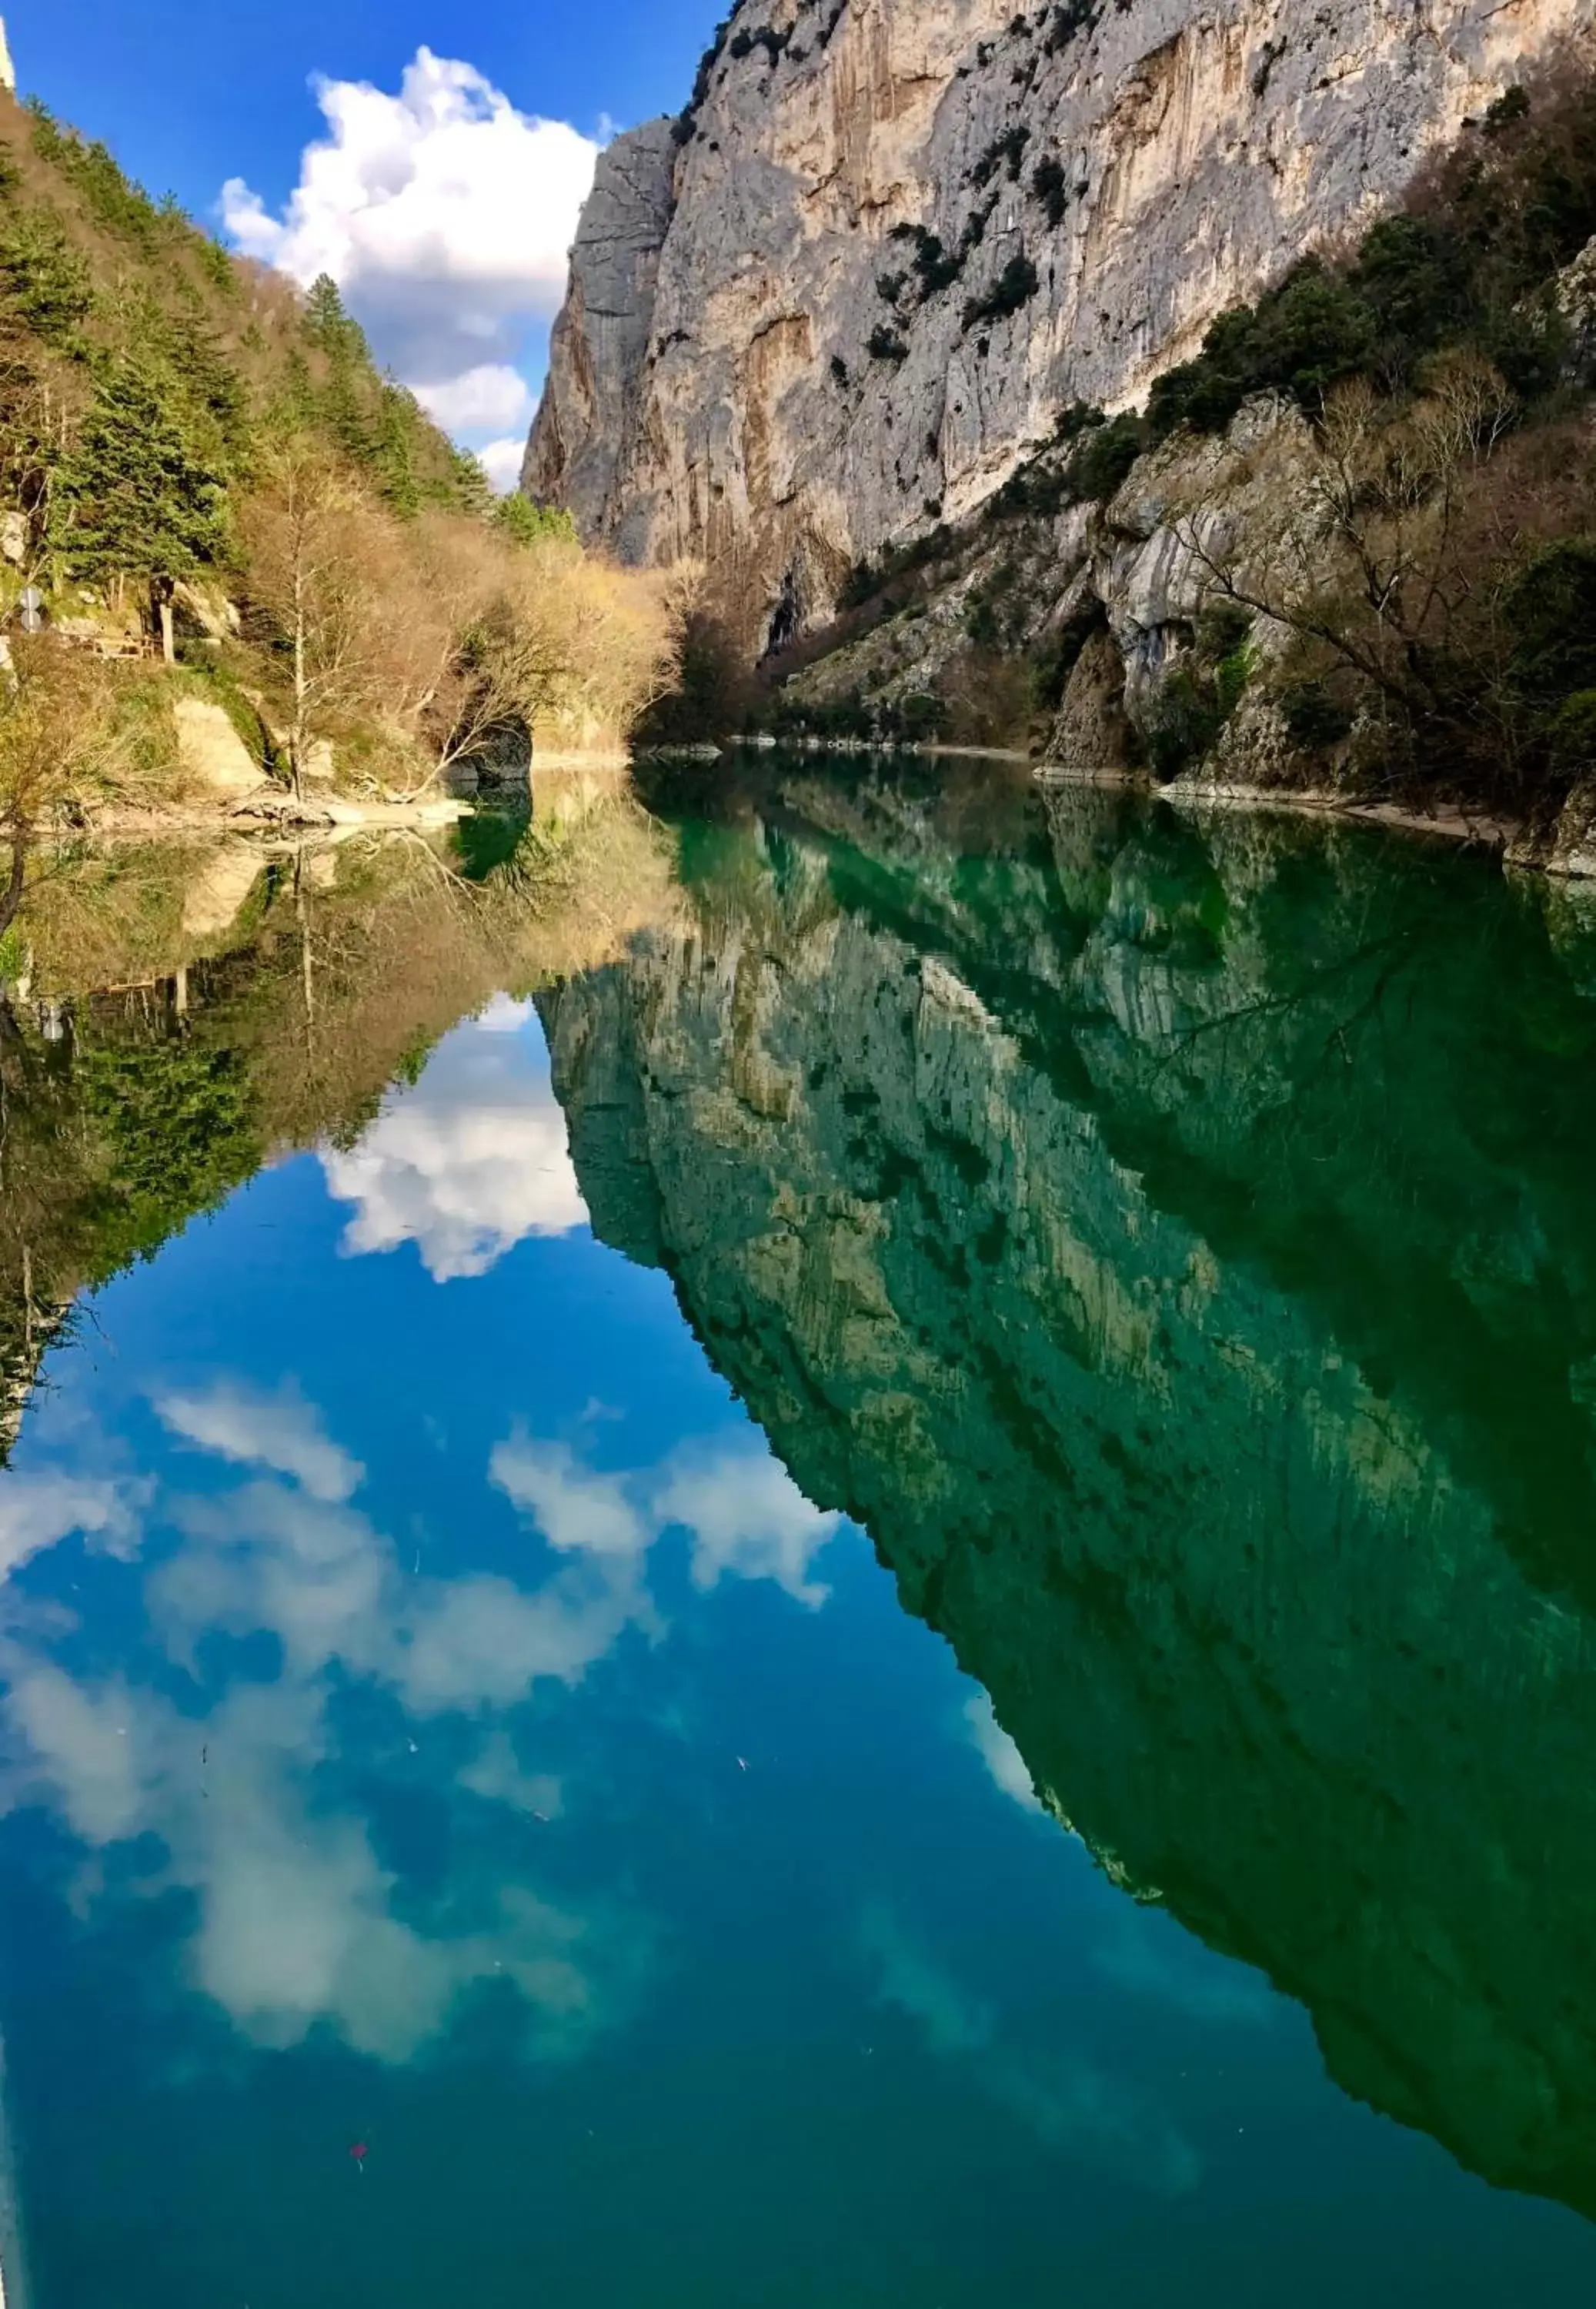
column 1018, row 210
column 1111, row 1215
column 600, row 341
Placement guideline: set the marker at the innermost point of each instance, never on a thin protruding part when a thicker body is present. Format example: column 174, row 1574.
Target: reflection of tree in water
column 1173, row 1243
column 153, row 1056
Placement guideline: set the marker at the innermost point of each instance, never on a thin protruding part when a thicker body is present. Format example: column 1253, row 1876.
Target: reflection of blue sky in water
column 432, row 1717
column 296, row 1918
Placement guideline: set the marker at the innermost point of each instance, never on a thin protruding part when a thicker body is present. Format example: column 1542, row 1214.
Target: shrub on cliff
column 1466, row 265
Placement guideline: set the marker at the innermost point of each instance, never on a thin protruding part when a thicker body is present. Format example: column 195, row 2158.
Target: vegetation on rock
column 1413, row 586
column 199, row 465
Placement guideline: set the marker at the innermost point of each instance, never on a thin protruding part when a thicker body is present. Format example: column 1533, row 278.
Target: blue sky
column 442, row 209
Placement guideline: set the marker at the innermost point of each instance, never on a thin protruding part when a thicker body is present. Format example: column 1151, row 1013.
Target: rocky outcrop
column 213, row 758
column 1017, row 212
column 600, row 340
column 1565, row 846
column 1119, row 1221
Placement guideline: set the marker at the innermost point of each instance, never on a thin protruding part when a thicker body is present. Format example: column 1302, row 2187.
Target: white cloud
column 1070, row 2103
column 472, row 1162
column 280, row 1431
column 577, row 1510
column 1008, row 1768
column 38, row 1512
column 502, row 462
column 298, row 1922
column 480, row 1643
column 496, row 1774
column 444, row 214
column 493, row 399
column 80, row 1737
column 313, row 1574
column 505, row 1015
column 748, row 1517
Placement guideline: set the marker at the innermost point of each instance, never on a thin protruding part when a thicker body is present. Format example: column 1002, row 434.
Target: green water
column 882, row 1596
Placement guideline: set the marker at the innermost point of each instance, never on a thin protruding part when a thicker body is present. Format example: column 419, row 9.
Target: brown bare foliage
column 1397, row 584
column 442, row 631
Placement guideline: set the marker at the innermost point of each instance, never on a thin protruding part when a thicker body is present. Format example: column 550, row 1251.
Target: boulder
column 211, row 752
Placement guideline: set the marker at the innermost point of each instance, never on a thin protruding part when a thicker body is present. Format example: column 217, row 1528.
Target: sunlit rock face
column 712, row 392
column 1117, row 1218
column 601, row 337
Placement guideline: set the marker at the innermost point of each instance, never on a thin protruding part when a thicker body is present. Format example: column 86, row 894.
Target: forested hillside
column 218, row 494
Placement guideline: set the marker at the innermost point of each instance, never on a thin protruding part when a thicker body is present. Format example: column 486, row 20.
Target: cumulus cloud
column 298, row 1922
column 468, row 1163
column 502, row 1015
column 577, row 1510
column 38, row 1512
column 496, row 1775
column 1008, row 1768
column 491, row 399
column 502, row 460
column 313, row 1574
column 280, row 1431
column 481, row 1642
column 748, row 1518
column 446, row 215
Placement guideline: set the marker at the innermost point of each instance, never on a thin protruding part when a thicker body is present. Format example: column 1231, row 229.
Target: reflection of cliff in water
column 1176, row 1249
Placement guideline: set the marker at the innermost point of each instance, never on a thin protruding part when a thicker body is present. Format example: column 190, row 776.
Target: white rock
column 692, row 410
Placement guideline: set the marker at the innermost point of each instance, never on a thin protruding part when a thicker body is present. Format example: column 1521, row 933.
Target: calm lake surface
column 837, row 1546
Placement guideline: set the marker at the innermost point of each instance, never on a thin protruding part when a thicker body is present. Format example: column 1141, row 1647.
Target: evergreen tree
column 395, row 457
column 44, row 281
column 529, row 522
column 144, row 503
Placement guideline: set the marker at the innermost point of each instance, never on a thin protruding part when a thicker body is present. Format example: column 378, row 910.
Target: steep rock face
column 1192, row 148
column 596, row 358
column 1119, row 1226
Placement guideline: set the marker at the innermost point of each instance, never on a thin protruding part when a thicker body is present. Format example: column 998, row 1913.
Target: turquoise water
column 498, row 1803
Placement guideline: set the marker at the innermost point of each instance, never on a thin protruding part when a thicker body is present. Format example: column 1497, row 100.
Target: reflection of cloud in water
column 471, row 1162
column 997, row 1752
column 294, row 1912
column 1067, row 2101
column 497, row 1775
column 38, row 1512
column 298, row 1921
column 578, row 1511
column 748, row 1518
column 1150, row 1956
column 280, row 1431
column 744, row 1512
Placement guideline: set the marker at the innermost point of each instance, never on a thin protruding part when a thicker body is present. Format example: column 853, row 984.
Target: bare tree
column 317, row 548
column 1374, row 578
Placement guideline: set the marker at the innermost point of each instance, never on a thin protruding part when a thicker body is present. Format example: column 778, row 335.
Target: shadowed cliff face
column 1174, row 1244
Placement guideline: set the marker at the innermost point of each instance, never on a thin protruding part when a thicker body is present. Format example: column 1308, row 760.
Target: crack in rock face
column 1104, row 178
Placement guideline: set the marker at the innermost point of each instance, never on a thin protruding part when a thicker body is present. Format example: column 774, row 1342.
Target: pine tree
column 143, row 502
column 44, row 281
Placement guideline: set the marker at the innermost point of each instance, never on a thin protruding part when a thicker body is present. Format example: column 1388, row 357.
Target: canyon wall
column 1019, row 212
column 1172, row 1245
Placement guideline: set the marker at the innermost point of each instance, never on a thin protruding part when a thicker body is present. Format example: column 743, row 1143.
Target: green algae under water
column 885, row 1595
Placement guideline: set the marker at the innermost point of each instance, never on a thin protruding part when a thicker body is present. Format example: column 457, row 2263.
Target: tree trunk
column 299, row 739
column 10, row 897
column 169, row 646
